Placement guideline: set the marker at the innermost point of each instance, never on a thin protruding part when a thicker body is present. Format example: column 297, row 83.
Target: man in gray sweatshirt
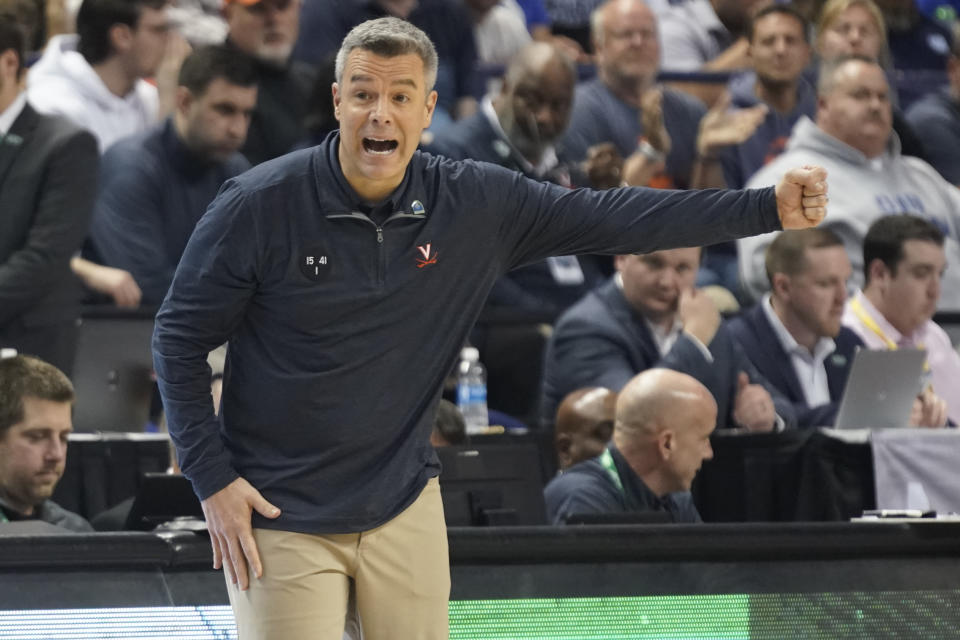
column 869, row 178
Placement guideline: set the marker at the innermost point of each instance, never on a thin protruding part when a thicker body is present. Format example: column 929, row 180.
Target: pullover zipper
column 381, row 260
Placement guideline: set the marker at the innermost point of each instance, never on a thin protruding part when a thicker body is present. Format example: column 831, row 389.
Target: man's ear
column 335, row 89
column 431, row 106
column 563, row 442
column 821, row 106
column 878, row 271
column 121, row 37
column 781, row 285
column 9, row 63
column 666, row 443
column 183, row 99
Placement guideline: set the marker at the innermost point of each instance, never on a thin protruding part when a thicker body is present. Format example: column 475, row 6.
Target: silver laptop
column 881, row 389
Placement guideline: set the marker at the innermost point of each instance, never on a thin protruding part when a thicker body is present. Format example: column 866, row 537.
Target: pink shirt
column 943, row 358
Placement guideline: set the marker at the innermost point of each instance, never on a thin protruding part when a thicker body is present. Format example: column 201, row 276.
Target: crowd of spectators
column 120, row 120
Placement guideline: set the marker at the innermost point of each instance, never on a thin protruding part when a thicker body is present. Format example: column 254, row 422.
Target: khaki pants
column 400, row 572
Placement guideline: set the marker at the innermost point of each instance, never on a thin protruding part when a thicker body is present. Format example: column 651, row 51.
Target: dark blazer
column 475, row 138
column 754, row 333
column 48, row 179
column 602, row 341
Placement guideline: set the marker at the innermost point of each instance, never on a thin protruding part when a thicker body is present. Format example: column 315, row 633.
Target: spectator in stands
column 48, row 174
column 36, row 401
column 27, row 13
column 661, row 133
column 794, row 336
column 518, row 129
column 571, row 19
column 919, row 47
column 448, row 425
column 96, row 78
column 936, row 119
column 777, row 95
column 661, row 437
column 904, row 262
column 624, row 106
column 868, row 175
column 779, row 52
column 649, row 315
column 851, row 28
column 155, row 186
column 199, row 22
column 856, row 27
column 519, row 126
column 541, row 29
column 499, row 28
column 267, row 31
column 446, row 22
column 584, row 425
column 800, row 322
column 707, row 35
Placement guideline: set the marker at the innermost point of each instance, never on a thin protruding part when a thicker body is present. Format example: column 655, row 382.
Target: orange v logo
column 424, row 250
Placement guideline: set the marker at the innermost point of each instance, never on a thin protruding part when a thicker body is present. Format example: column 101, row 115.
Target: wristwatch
column 649, row 152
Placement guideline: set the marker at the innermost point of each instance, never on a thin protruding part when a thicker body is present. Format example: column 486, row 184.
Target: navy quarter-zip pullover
column 342, row 325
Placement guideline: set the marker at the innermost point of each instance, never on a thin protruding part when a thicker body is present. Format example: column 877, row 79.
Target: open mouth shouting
column 379, row 146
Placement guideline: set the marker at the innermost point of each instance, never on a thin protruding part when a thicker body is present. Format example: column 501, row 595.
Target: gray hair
column 826, row 81
column 596, row 25
column 598, row 17
column 389, row 37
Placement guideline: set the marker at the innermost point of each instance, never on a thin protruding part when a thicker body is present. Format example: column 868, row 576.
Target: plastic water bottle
column 472, row 391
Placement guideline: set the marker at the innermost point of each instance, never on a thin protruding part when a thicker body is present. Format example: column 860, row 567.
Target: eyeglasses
column 628, row 34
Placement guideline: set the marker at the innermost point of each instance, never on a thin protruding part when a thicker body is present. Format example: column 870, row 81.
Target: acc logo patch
column 315, row 265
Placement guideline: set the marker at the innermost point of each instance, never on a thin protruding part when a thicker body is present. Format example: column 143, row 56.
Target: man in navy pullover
column 154, row 186
column 345, row 278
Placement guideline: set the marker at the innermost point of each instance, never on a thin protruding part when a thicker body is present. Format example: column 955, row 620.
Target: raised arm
column 539, row 220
